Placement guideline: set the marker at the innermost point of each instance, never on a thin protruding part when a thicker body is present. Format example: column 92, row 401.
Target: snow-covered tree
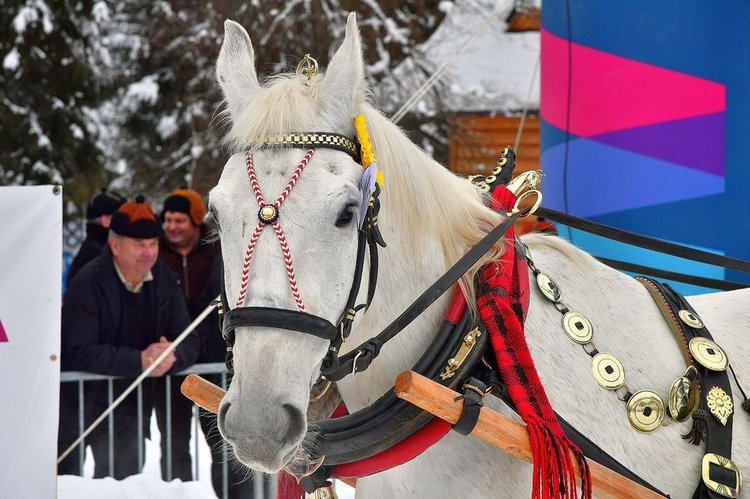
column 122, row 93
column 49, row 85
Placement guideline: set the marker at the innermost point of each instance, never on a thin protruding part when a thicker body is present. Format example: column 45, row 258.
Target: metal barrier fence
column 264, row 486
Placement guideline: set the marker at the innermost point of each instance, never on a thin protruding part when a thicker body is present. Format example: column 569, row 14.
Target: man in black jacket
column 120, row 313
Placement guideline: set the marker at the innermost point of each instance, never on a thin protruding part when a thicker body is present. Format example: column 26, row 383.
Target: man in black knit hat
column 122, row 310
column 98, row 215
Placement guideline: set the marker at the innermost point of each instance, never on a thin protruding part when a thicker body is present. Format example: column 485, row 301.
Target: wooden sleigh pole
column 506, row 434
column 496, row 429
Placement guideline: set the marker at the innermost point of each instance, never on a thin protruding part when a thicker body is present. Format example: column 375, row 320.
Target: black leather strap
column 390, row 419
column 643, row 241
column 718, row 436
column 361, row 357
column 473, row 397
column 695, row 280
column 292, row 320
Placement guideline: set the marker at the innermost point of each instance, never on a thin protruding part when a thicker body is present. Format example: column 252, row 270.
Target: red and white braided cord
column 277, row 228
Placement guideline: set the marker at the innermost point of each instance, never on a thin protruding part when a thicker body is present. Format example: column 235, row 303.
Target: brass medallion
column 578, row 327
column 548, row 287
column 268, row 214
column 608, row 371
column 720, row 404
column 681, row 398
column 645, row 411
column 690, row 318
column 708, row 354
column 307, row 67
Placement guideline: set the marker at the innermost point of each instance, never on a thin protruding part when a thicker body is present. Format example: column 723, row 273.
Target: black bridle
column 369, row 236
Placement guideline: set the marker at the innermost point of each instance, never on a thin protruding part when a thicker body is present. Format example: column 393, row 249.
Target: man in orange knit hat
column 119, row 314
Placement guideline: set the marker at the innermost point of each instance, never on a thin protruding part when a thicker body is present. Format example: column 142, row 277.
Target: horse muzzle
column 264, row 437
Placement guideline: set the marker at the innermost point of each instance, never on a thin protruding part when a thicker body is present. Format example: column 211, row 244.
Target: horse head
column 303, row 259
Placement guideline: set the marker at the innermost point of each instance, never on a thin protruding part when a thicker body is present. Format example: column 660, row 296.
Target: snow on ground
column 149, row 485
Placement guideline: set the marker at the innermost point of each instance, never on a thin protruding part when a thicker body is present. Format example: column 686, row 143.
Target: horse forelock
column 287, row 103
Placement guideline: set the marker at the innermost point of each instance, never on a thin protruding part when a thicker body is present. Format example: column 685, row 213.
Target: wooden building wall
column 476, row 141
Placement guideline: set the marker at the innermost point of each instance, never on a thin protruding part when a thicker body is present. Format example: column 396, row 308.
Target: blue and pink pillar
column 645, row 124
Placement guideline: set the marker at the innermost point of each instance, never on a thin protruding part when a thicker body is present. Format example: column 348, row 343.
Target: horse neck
column 423, row 218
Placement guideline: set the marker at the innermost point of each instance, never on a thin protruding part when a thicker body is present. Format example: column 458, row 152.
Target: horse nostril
column 296, row 419
column 221, row 417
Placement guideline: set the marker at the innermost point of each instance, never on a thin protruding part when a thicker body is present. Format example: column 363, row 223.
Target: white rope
column 432, row 80
column 139, row 379
column 526, row 107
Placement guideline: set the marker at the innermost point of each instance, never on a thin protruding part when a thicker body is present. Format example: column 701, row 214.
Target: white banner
column 30, row 301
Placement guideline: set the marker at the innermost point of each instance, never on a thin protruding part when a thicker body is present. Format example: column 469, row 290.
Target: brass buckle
column 720, row 488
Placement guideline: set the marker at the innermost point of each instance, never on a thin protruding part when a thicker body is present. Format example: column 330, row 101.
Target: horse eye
column 346, row 216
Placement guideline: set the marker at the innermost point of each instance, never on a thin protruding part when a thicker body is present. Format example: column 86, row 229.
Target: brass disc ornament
column 548, row 287
column 608, row 371
column 578, row 327
column 690, row 318
column 681, row 398
column 645, row 411
column 708, row 354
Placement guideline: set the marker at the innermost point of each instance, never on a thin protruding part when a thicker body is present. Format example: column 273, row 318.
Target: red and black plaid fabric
column 500, row 306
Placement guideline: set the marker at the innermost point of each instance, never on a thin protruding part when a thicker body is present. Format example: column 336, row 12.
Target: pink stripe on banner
column 611, row 92
column 3, row 336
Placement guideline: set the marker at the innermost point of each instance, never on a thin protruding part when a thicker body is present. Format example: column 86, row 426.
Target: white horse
column 429, row 218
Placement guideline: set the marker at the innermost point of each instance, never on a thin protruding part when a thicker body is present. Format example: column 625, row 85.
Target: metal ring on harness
column 534, row 207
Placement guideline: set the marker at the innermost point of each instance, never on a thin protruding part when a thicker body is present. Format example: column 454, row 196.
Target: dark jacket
column 96, row 239
column 193, row 269
column 199, row 278
column 105, row 327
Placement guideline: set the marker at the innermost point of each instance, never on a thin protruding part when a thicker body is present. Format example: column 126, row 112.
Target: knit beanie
column 186, row 201
column 103, row 202
column 135, row 219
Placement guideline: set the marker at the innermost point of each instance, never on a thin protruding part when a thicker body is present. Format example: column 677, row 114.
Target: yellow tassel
column 381, row 180
column 364, row 140
column 368, row 157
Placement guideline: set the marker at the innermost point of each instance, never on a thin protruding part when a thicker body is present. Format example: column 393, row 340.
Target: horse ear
column 235, row 69
column 344, row 87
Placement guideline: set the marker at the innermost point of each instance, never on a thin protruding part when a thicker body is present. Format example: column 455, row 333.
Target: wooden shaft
column 510, row 436
column 202, row 392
